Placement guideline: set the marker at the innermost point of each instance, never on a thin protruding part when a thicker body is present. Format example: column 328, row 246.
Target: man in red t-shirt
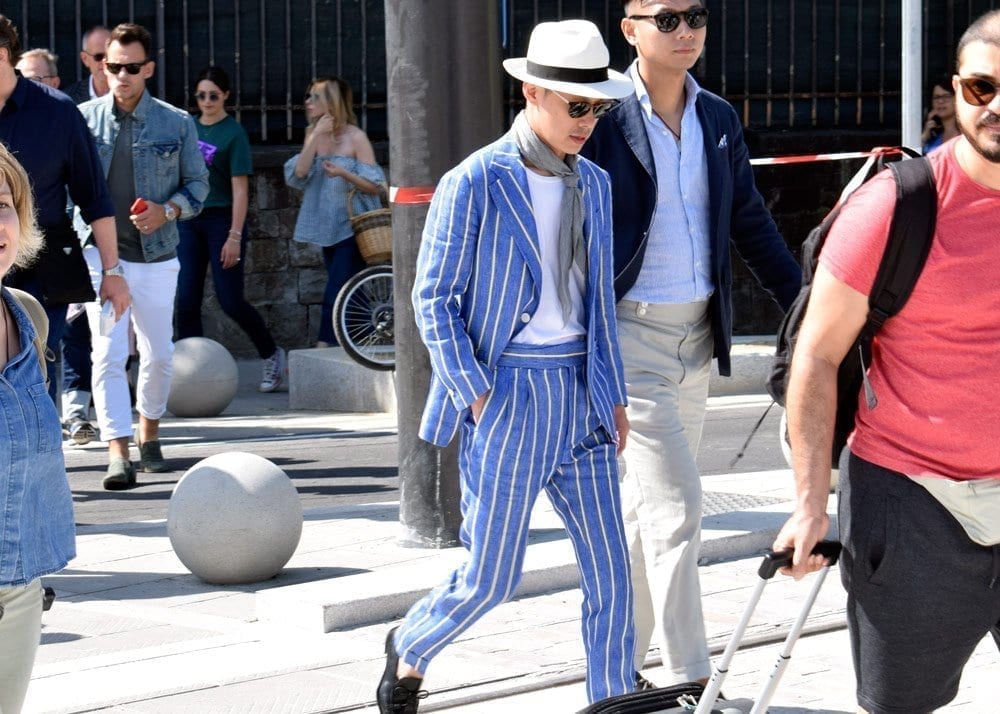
column 920, row 482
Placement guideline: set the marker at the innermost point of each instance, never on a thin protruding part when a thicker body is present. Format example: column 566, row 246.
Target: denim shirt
column 37, row 532
column 166, row 161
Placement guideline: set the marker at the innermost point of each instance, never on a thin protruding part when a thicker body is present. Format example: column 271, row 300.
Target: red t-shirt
column 936, row 365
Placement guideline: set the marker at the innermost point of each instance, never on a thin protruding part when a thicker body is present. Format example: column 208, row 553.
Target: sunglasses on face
column 131, row 67
column 977, row 91
column 669, row 21
column 579, row 109
column 99, row 56
column 314, row 97
column 207, row 96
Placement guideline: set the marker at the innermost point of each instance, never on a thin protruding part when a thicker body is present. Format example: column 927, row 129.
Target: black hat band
column 568, row 74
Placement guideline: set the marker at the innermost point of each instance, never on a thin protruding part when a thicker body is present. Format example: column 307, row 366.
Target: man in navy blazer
column 683, row 191
column 515, row 302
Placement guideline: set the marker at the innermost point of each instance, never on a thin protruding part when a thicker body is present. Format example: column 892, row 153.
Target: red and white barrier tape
column 418, row 195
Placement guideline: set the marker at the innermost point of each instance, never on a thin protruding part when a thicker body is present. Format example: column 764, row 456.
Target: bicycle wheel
column 363, row 318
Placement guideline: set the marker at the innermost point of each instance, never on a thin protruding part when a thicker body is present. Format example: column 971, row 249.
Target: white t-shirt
column 546, row 326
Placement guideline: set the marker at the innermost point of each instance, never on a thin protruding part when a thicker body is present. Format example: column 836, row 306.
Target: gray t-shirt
column 121, row 183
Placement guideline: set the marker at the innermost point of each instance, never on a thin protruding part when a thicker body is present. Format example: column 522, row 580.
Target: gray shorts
column 921, row 594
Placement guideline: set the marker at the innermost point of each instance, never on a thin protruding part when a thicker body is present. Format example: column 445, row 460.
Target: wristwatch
column 115, row 271
column 168, row 212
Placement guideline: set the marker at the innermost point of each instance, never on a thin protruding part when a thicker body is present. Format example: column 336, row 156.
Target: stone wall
column 285, row 279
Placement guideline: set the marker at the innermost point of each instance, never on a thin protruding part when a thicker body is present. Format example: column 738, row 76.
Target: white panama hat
column 570, row 56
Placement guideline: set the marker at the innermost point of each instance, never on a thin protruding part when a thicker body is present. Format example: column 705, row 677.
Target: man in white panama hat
column 514, row 300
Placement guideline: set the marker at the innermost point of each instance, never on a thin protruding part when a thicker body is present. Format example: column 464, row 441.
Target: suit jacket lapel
column 633, row 126
column 509, row 190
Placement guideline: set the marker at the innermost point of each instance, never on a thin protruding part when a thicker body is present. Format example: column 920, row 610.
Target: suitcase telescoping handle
column 772, row 563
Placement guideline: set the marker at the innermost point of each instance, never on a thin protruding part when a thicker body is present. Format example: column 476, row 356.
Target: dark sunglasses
column 977, row 91
column 210, row 96
column 99, row 56
column 580, row 109
column 669, row 21
column 314, row 97
column 131, row 67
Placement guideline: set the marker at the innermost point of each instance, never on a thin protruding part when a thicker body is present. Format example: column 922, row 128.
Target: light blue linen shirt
column 323, row 218
column 677, row 265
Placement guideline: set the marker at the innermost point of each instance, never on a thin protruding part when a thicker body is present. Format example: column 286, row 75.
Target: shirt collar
column 140, row 111
column 691, row 87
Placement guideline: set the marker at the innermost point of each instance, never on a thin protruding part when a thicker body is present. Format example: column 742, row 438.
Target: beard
column 989, row 149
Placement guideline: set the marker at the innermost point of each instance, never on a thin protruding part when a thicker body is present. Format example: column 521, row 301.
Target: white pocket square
column 723, row 142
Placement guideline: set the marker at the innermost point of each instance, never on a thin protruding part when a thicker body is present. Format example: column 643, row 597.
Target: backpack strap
column 910, row 236
column 40, row 321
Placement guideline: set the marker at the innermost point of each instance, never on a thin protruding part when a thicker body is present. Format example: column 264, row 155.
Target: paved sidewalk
column 132, row 631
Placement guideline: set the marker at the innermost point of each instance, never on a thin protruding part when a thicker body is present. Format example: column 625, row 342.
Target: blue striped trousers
column 537, row 431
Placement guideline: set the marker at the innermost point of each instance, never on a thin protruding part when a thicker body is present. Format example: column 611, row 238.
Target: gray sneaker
column 151, row 458
column 81, row 431
column 275, row 371
column 121, row 475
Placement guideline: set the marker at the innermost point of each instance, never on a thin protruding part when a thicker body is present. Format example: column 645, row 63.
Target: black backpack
column 909, row 243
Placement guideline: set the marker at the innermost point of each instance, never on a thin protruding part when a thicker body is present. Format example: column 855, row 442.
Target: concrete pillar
column 444, row 95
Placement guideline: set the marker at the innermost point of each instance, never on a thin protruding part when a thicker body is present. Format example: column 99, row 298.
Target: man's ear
column 148, row 69
column 4, row 55
column 532, row 93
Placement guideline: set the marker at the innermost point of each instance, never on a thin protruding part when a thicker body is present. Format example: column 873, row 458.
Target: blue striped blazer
column 479, row 280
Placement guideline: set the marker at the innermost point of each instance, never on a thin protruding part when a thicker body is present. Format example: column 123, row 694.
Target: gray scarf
column 535, row 152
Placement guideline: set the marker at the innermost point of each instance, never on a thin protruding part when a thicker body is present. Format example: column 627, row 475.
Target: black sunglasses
column 210, row 96
column 99, row 56
column 579, row 109
column 977, row 91
column 669, row 21
column 131, row 67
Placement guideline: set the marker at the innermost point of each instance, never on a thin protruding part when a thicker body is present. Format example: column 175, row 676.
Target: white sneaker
column 275, row 371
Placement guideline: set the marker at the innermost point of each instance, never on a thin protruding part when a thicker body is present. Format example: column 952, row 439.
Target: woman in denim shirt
column 336, row 155
column 36, row 508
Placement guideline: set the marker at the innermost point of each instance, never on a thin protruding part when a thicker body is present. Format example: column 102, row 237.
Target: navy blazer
column 737, row 212
column 478, row 283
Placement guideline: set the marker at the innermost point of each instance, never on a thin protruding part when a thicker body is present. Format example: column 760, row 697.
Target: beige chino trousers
column 667, row 350
column 20, row 633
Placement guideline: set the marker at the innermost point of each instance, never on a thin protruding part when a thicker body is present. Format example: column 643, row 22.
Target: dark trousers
column 341, row 260
column 201, row 241
column 921, row 594
column 76, row 355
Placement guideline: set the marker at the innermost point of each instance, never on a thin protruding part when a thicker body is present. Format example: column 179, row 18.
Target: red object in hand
column 138, row 206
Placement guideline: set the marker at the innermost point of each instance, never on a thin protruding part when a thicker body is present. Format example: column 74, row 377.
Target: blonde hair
column 337, row 98
column 30, row 242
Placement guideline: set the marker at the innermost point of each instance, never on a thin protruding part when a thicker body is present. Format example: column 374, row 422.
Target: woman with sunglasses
column 216, row 236
column 941, row 125
column 336, row 155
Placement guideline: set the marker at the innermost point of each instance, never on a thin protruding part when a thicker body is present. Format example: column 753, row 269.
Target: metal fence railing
column 784, row 64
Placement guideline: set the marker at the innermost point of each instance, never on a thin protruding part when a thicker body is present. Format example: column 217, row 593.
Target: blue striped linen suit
column 548, row 422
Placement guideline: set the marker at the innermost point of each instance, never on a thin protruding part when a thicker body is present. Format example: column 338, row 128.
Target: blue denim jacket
column 37, row 532
column 166, row 161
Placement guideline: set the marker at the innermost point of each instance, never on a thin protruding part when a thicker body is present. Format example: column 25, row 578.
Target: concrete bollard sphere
column 786, row 451
column 234, row 518
column 205, row 378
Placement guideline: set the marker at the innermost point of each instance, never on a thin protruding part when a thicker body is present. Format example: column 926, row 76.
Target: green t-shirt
column 227, row 153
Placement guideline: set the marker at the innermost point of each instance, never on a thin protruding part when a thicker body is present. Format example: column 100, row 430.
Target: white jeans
column 20, row 632
column 667, row 351
column 153, row 286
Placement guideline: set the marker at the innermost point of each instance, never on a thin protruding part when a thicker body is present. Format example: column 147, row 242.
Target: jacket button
column 525, row 317
column 641, row 311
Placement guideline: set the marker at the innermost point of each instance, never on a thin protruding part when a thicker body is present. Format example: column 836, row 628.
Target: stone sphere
column 205, row 378
column 234, row 518
column 786, row 451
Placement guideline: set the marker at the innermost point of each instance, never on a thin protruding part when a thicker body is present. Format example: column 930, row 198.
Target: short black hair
column 128, row 32
column 10, row 39
column 986, row 28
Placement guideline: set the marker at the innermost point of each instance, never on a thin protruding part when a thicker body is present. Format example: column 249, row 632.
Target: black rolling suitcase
column 691, row 696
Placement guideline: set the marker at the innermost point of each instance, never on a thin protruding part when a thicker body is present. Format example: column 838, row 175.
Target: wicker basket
column 372, row 228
